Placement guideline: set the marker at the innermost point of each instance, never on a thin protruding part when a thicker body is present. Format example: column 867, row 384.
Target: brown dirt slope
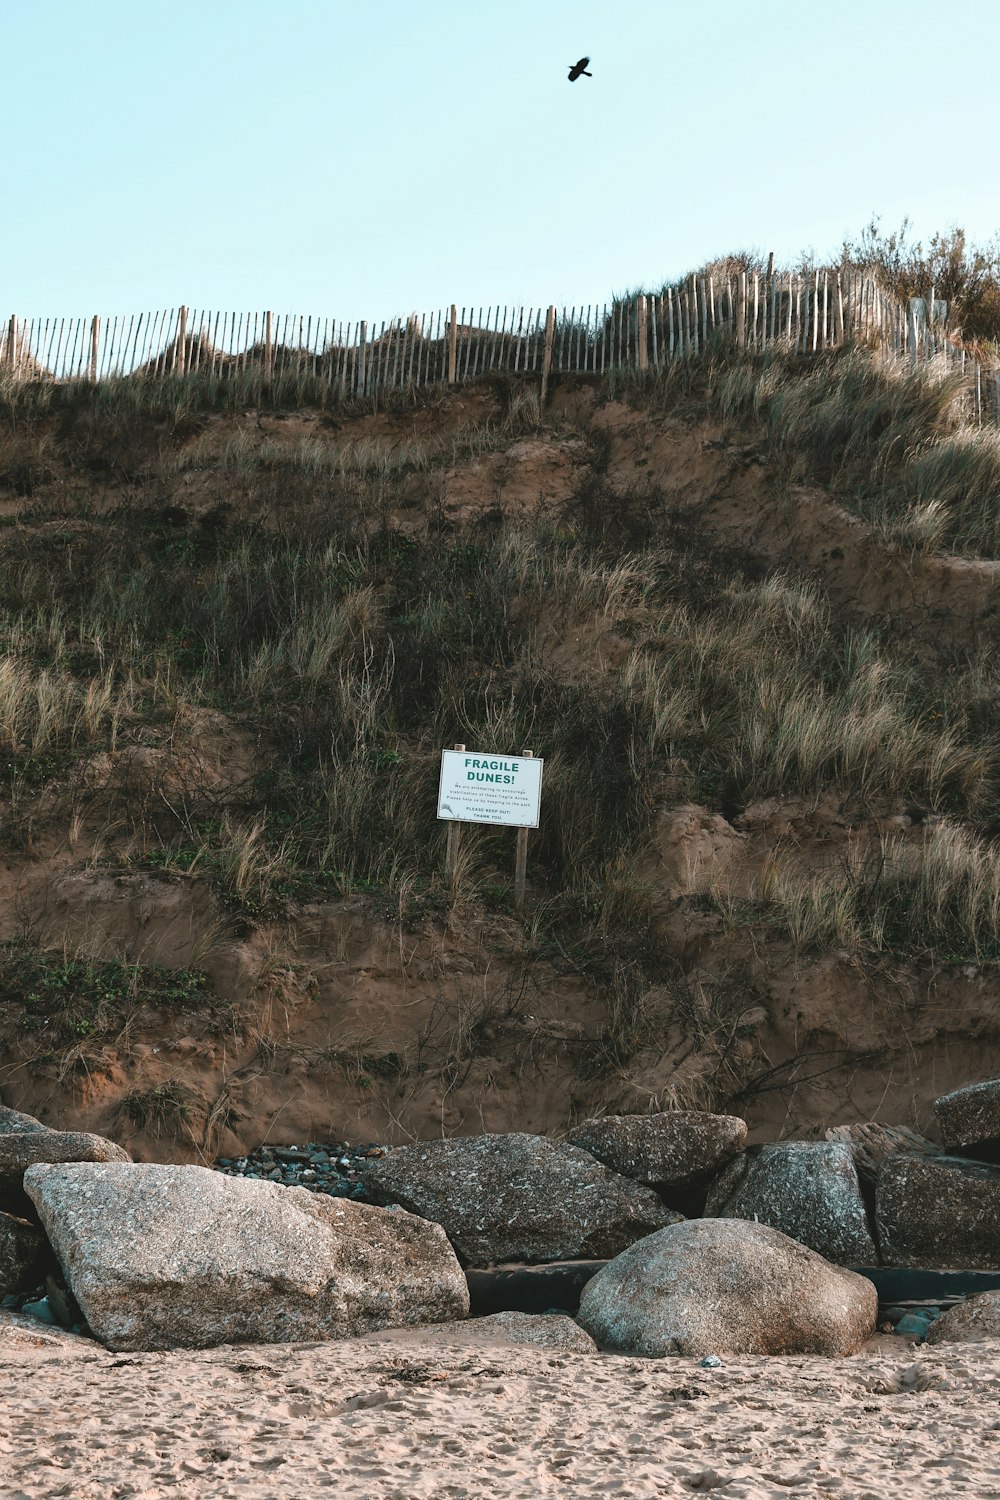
column 147, row 993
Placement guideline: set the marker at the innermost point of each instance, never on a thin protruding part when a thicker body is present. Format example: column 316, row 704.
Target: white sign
column 480, row 788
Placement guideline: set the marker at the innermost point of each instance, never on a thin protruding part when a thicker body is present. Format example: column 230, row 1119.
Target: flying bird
column 579, row 67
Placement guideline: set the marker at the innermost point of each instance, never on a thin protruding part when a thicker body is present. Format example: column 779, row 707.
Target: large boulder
column 673, row 1152
column 871, row 1142
column 726, row 1286
column 808, row 1190
column 971, row 1322
column 517, row 1197
column 21, row 1149
column 24, row 1255
column 165, row 1257
column 940, row 1212
column 25, row 1141
column 969, row 1119
column 12, row 1120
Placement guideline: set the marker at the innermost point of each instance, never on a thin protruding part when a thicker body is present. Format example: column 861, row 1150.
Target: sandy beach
column 437, row 1412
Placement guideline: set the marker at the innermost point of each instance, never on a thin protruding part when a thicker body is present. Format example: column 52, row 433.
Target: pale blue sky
column 362, row 158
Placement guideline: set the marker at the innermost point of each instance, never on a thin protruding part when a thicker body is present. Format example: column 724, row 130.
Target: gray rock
column 970, row 1322
column 20, row 1331
column 726, row 1286
column 672, row 1151
column 517, row 1197
column 941, row 1212
column 23, row 1255
column 20, row 1149
column 547, row 1330
column 162, row 1257
column 969, row 1118
column 808, row 1190
column 871, row 1143
column 12, row 1120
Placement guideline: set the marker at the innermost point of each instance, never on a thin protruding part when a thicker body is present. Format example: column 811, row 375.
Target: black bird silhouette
column 578, row 68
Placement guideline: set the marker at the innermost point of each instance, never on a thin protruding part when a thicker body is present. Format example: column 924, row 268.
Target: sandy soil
column 439, row 1412
column 353, row 1022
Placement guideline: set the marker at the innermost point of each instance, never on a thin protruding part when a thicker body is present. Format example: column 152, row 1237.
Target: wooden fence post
column 521, row 856
column 95, row 334
column 180, row 349
column 741, row 312
column 361, row 373
column 550, row 333
column 454, row 836
column 268, row 345
column 642, row 332
column 838, row 310
column 769, row 300
column 453, row 345
column 11, row 342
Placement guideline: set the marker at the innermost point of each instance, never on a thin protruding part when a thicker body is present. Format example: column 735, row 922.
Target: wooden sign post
column 521, row 857
column 451, row 853
column 494, row 790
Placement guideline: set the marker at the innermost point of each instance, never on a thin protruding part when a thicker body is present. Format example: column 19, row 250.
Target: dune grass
column 893, row 441
column 938, row 896
column 353, row 647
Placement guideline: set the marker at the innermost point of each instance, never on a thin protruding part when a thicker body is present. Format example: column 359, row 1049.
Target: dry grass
column 352, row 650
column 939, row 895
column 895, row 442
column 159, row 1108
column 40, row 709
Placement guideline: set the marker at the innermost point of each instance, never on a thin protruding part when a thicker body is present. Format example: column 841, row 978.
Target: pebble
column 710, row 1362
column 331, row 1168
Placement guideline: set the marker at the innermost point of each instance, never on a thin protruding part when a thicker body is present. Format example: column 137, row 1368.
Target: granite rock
column 517, row 1197
column 808, row 1190
column 672, row 1151
column 13, row 1121
column 23, row 1148
column 969, row 1119
column 546, row 1330
column 941, row 1212
column 163, row 1257
column 726, row 1286
column 871, row 1142
column 973, row 1321
column 24, row 1255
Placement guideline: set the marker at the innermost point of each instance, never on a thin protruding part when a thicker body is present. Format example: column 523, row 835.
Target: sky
column 368, row 158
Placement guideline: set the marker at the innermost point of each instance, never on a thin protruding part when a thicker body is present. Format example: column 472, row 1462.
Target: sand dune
column 442, row 1412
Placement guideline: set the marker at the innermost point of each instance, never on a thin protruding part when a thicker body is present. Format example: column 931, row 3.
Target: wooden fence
column 806, row 312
